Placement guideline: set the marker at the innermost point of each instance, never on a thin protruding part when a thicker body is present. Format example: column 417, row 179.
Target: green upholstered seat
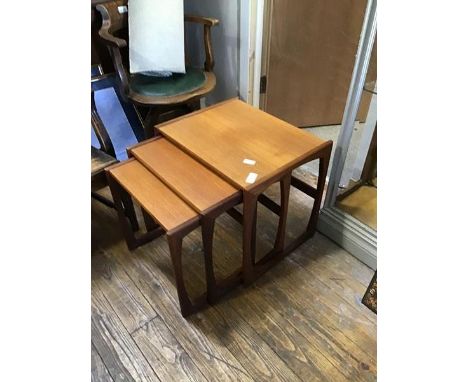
column 176, row 84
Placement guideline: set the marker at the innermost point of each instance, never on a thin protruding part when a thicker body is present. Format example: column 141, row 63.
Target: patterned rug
column 370, row 297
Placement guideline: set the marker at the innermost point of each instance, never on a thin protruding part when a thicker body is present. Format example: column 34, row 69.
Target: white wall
column 226, row 43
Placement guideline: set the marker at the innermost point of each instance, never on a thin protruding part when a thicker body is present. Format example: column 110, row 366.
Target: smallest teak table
column 251, row 150
column 204, row 191
column 165, row 182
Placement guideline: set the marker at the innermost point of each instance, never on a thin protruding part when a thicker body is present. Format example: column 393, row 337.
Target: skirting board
column 349, row 233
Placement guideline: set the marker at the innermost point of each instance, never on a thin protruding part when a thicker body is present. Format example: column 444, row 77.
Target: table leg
column 129, row 210
column 118, row 193
column 323, row 169
column 249, row 236
column 253, row 242
column 207, row 235
column 175, row 249
column 285, row 185
column 150, row 224
column 249, row 266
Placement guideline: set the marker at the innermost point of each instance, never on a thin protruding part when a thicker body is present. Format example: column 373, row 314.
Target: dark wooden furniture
column 204, row 164
column 157, row 96
column 99, row 53
column 131, row 179
column 177, row 194
column 223, row 136
column 99, row 161
column 100, row 158
column 103, row 74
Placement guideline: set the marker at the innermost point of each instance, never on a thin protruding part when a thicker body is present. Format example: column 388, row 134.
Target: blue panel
column 115, row 121
column 94, row 140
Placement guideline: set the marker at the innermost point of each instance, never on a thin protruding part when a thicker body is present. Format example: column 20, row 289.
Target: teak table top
column 198, row 186
column 160, row 202
column 224, row 135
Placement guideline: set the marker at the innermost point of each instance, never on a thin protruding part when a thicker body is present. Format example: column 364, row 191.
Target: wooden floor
column 362, row 204
column 302, row 321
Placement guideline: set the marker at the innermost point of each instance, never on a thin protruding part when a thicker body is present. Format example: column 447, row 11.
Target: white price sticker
column 251, row 178
column 250, row 162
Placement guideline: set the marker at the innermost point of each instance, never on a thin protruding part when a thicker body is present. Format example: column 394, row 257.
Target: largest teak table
column 253, row 150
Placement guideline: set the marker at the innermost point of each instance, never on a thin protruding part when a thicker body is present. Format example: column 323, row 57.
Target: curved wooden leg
column 175, row 248
column 323, row 169
column 194, row 105
column 117, row 194
column 249, row 236
column 151, row 119
column 150, row 224
column 285, row 186
column 162, row 113
column 207, row 236
column 130, row 210
column 254, row 234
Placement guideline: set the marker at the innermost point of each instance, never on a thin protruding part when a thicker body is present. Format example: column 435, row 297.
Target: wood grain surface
column 99, row 372
column 113, row 342
column 160, row 202
column 301, row 321
column 312, row 46
column 223, row 136
column 198, row 186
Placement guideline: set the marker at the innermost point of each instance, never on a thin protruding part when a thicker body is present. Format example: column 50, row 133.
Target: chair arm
column 207, row 24
column 114, row 44
column 124, row 86
column 104, row 33
column 201, row 20
column 109, row 39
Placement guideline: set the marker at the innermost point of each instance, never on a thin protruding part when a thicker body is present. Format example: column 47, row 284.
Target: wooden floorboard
column 355, row 322
column 99, row 372
column 210, row 354
column 325, row 337
column 119, row 352
column 306, row 358
column 301, row 321
column 121, row 292
column 164, row 352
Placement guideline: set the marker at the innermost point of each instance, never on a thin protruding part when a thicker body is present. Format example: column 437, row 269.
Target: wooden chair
column 159, row 97
column 100, row 158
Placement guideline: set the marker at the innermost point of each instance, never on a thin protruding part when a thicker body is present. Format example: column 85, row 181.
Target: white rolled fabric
column 156, row 36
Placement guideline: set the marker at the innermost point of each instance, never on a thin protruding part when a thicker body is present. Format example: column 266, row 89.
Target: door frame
column 354, row 236
column 251, row 16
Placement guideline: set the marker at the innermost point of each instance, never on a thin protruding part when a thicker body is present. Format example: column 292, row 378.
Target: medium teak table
column 252, row 150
